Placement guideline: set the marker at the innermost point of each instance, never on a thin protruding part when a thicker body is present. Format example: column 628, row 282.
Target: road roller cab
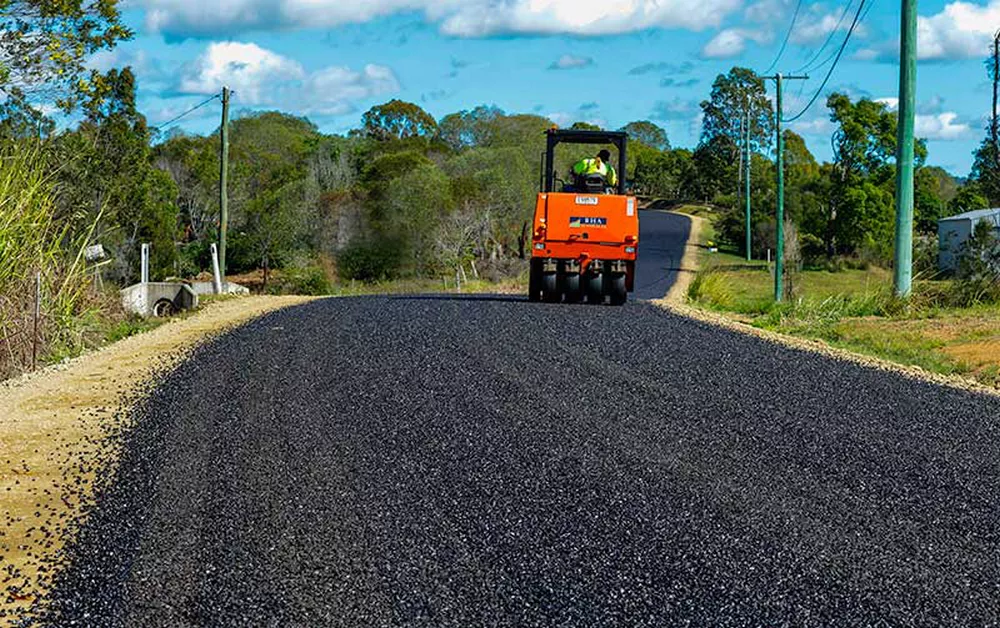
column 585, row 232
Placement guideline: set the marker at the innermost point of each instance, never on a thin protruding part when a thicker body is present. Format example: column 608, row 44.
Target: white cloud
column 941, row 126
column 961, row 30
column 137, row 59
column 248, row 69
column 261, row 77
column 571, row 62
column 931, row 123
column 817, row 127
column 731, row 42
column 459, row 18
column 815, row 25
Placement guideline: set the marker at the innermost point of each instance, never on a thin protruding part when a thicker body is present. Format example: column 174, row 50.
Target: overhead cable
column 788, row 34
column 189, row 111
column 840, row 52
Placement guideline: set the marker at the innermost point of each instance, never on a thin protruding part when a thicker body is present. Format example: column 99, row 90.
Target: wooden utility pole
column 224, row 182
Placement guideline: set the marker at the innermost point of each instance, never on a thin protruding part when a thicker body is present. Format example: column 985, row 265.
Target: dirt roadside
column 53, row 424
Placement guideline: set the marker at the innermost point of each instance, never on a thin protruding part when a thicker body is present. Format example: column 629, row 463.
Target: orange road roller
column 586, row 228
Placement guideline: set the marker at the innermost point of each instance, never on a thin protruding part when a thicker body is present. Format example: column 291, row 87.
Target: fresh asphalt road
column 443, row 461
column 662, row 238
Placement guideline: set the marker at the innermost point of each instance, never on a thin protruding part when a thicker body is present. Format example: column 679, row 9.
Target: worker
column 599, row 165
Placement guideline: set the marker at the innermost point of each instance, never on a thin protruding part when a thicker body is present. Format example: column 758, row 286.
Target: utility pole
column 224, row 181
column 904, row 148
column 746, row 182
column 994, row 133
column 779, row 254
column 994, row 122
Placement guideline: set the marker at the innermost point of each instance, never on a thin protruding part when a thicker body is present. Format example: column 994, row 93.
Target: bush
column 370, row 261
column 925, row 256
column 309, row 280
column 978, row 278
column 711, row 288
column 35, row 239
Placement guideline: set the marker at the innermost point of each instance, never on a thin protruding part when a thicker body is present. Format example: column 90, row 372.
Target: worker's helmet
column 605, row 155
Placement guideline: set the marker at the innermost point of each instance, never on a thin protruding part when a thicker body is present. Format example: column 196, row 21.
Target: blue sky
column 604, row 61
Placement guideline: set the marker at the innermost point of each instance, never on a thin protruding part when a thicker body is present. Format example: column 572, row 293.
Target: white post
column 216, row 275
column 145, row 263
column 38, row 315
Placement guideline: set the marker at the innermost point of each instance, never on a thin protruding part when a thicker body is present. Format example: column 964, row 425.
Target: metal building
column 955, row 230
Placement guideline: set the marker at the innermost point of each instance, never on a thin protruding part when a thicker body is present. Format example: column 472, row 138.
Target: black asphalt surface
column 473, row 461
column 662, row 237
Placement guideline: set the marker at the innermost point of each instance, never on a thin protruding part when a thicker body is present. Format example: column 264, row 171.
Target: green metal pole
column 746, row 225
column 779, row 253
column 904, row 149
column 224, row 183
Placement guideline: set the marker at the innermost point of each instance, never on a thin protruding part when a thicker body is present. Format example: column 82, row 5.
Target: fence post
column 145, row 264
column 216, row 276
column 37, row 316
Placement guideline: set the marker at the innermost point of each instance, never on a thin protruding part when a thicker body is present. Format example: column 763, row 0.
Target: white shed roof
column 974, row 215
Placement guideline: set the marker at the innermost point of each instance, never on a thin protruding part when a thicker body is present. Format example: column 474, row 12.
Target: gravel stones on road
column 483, row 460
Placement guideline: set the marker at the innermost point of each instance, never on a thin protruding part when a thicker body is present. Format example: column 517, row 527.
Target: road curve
column 467, row 461
column 662, row 239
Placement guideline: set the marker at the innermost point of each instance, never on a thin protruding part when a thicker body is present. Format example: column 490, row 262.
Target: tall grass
column 33, row 240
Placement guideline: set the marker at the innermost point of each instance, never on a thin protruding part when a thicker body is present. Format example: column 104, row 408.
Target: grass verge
column 855, row 310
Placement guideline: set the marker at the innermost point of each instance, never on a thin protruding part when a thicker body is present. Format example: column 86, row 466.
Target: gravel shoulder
column 54, row 429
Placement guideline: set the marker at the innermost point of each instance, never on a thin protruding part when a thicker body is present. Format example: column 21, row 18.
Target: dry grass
column 53, row 422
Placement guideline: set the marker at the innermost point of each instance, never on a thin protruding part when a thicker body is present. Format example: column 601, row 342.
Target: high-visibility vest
column 596, row 166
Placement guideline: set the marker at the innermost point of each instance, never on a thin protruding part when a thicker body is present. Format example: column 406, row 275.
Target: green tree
column 970, row 197
column 986, row 171
column 860, row 204
column 717, row 167
column 647, row 133
column 733, row 96
column 107, row 177
column 398, row 120
column 466, row 129
column 45, row 47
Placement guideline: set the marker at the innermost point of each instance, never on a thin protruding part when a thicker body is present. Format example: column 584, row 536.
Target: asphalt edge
column 102, row 444
column 676, row 302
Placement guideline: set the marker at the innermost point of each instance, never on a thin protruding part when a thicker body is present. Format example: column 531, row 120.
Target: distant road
column 471, row 461
column 662, row 238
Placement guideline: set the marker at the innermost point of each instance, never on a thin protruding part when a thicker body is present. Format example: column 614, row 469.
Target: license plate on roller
column 586, row 200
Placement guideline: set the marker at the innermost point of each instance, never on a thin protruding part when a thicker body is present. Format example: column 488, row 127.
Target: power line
column 806, row 66
column 191, row 110
column 788, row 34
column 843, row 46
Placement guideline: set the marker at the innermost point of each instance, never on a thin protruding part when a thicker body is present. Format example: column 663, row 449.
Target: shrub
column 711, row 288
column 978, row 277
column 370, row 261
column 34, row 240
column 308, row 280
